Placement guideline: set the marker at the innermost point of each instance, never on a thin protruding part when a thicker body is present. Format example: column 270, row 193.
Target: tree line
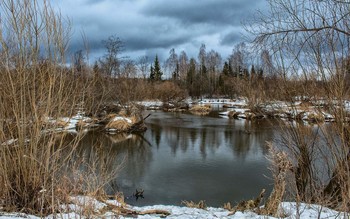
column 207, row 75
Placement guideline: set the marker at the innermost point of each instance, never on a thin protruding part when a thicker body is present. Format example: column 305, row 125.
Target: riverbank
column 87, row 207
column 300, row 109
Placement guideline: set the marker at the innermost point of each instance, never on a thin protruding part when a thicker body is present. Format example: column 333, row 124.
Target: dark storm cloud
column 217, row 12
column 230, row 38
column 157, row 25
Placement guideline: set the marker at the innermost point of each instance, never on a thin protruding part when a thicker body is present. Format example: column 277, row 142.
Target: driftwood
column 163, row 213
column 122, row 210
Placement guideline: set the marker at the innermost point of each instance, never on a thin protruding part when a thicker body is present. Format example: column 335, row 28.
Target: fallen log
column 163, row 213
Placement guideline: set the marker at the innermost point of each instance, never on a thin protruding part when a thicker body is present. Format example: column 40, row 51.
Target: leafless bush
column 281, row 168
column 35, row 85
column 169, row 91
column 309, row 41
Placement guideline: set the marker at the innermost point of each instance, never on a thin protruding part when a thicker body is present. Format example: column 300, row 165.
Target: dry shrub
column 190, row 204
column 228, row 206
column 201, row 108
column 280, row 167
column 123, row 113
column 120, row 198
column 250, row 205
column 316, row 118
column 169, row 91
column 34, row 83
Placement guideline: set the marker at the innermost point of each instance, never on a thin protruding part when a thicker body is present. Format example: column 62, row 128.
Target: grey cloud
column 224, row 12
column 231, row 38
column 150, row 26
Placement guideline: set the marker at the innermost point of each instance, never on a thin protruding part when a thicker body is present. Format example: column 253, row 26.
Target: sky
column 150, row 27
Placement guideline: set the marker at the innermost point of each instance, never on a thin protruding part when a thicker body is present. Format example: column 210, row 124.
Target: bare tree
column 309, row 38
column 239, row 59
column 79, row 61
column 172, row 64
column 266, row 64
column 214, row 62
column 111, row 61
column 183, row 65
column 203, row 76
column 129, row 69
column 202, row 55
column 143, row 66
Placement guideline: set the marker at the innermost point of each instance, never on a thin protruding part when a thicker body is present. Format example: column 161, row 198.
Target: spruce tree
column 226, row 69
column 152, row 76
column 157, row 71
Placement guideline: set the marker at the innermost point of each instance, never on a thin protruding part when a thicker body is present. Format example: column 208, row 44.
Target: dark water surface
column 187, row 157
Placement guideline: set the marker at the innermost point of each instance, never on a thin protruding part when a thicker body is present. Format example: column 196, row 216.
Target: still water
column 187, row 157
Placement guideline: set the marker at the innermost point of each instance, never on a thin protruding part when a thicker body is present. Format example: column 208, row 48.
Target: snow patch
column 288, row 209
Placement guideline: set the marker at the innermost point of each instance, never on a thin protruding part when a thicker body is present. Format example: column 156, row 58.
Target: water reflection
column 188, row 157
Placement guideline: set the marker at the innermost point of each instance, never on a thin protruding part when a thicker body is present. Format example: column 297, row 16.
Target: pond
column 187, row 157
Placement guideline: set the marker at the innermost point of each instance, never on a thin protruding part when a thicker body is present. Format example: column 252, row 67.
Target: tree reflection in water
column 101, row 157
column 186, row 157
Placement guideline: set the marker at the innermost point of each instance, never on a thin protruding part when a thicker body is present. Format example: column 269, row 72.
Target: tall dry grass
column 35, row 84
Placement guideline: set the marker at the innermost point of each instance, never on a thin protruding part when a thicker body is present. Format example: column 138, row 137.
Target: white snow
column 122, row 118
column 229, row 102
column 289, row 210
column 9, row 142
column 151, row 105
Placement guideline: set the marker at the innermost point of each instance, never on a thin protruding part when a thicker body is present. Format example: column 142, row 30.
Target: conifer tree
column 157, row 71
column 152, row 76
column 226, row 69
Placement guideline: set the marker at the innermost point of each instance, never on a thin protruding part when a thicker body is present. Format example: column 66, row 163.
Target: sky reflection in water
column 187, row 157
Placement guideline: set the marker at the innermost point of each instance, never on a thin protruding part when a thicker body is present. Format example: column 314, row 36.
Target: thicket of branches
column 310, row 38
column 36, row 87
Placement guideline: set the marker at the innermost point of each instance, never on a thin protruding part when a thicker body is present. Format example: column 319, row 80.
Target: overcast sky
column 149, row 27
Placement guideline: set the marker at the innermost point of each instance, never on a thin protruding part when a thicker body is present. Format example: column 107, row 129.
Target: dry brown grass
column 190, row 204
column 61, row 123
column 36, row 85
column 228, row 206
column 249, row 205
column 201, row 109
column 281, row 167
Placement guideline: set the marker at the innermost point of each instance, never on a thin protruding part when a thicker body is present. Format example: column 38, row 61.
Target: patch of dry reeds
column 190, row 204
column 35, row 82
column 201, row 109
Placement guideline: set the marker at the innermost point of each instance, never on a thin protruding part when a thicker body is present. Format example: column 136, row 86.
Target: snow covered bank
column 86, row 207
column 70, row 124
column 239, row 108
